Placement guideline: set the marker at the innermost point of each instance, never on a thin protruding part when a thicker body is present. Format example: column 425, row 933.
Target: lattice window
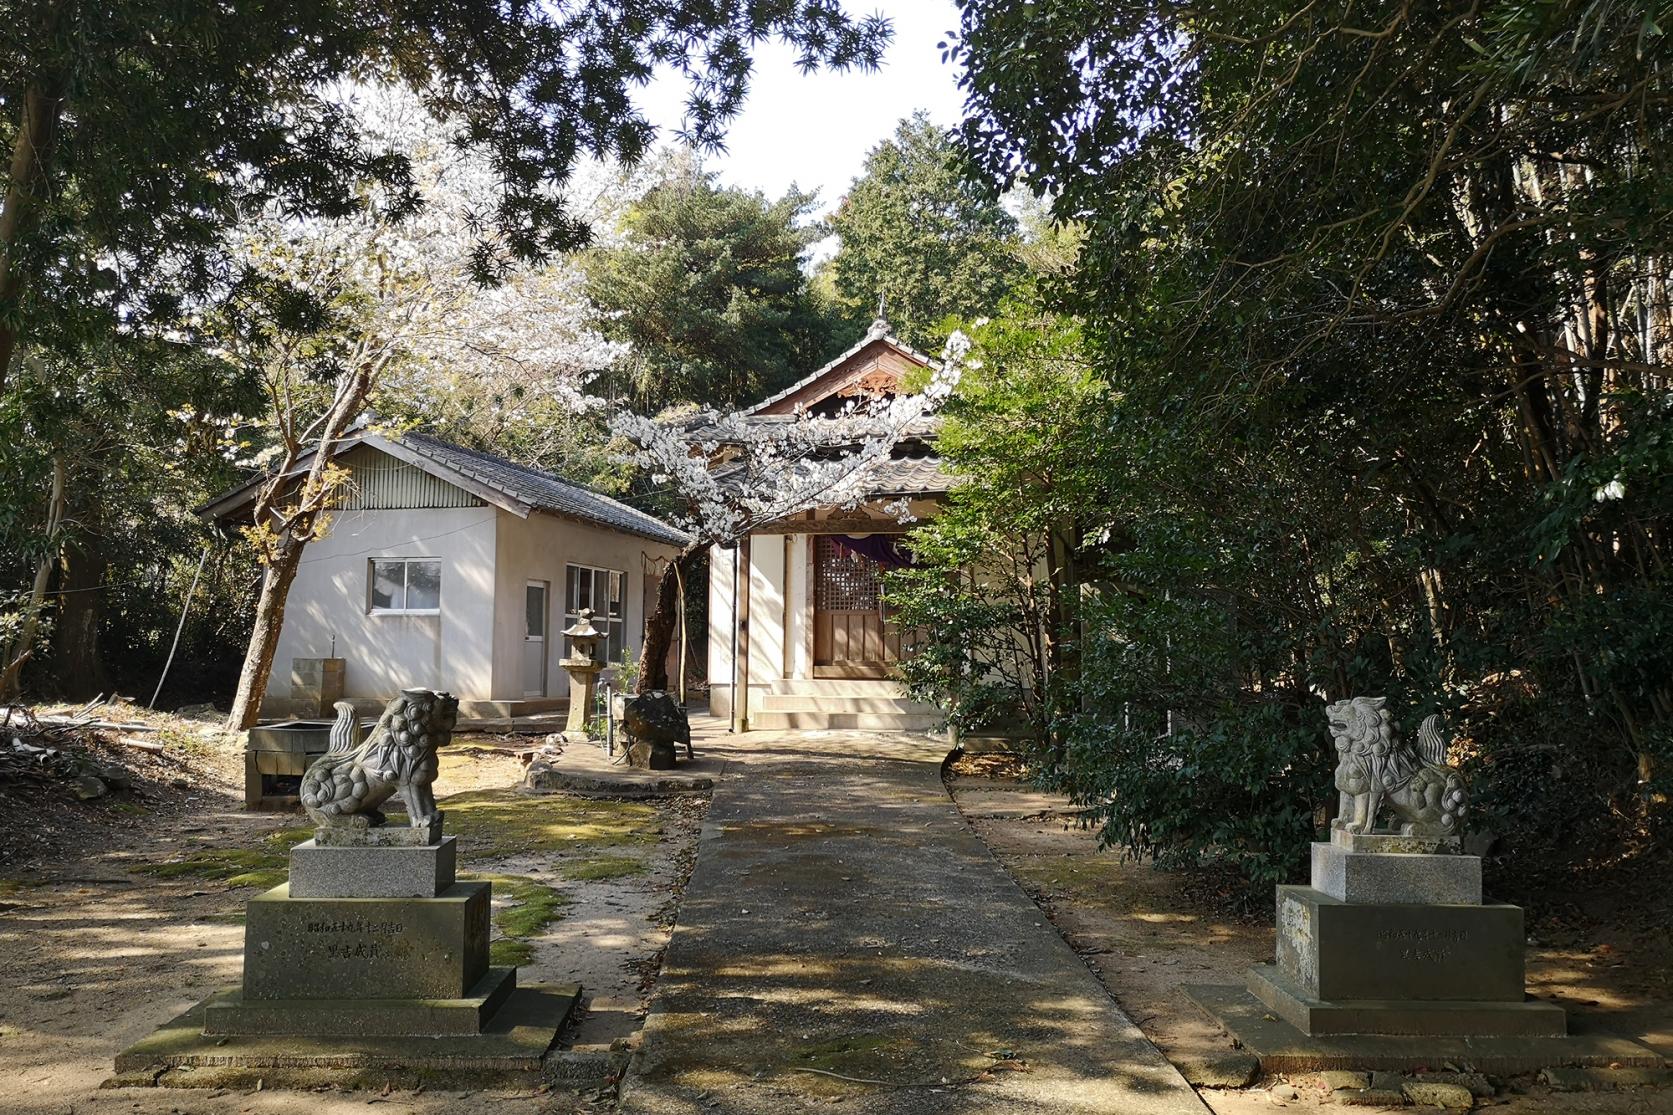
column 847, row 582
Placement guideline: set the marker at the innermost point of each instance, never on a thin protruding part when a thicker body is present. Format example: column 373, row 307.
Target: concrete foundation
column 510, row 1051
column 233, row 1013
column 1310, row 1015
column 1283, row 1048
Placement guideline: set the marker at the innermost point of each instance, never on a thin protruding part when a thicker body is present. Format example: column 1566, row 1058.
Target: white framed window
column 404, row 586
column 604, row 591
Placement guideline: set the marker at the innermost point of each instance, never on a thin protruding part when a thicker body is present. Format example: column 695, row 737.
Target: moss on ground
column 522, row 908
column 265, row 865
column 603, row 867
column 494, row 824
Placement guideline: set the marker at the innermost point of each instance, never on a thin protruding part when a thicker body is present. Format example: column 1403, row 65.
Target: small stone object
column 1377, row 771
column 90, row 786
column 115, row 777
column 1426, row 1093
column 654, row 723
column 1338, row 1079
column 345, row 786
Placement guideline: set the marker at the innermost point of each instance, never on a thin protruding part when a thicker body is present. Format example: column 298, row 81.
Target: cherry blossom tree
column 736, row 473
column 414, row 292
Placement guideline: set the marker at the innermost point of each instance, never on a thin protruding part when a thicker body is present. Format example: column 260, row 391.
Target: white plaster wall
column 800, row 633
column 538, row 549
column 766, row 610
column 385, row 653
column 720, row 630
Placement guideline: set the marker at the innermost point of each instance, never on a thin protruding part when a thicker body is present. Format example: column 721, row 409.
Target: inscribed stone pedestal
column 1355, row 950
column 371, row 948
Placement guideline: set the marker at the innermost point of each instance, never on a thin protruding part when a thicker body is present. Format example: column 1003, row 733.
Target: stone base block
column 371, row 1017
column 1405, row 877
column 420, row 871
column 652, row 756
column 1393, row 842
column 1282, row 1048
column 366, row 948
column 1337, row 950
column 510, row 1051
column 348, row 835
column 1401, row 1016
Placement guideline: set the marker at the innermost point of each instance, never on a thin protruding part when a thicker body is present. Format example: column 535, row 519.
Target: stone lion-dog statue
column 1376, row 770
column 344, row 787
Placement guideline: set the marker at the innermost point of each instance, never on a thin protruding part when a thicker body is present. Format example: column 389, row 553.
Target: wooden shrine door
column 851, row 636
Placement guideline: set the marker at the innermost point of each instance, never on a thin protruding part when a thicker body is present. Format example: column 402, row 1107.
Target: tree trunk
column 305, row 521
column 43, row 103
column 22, row 648
column 664, row 620
column 78, row 666
column 276, row 580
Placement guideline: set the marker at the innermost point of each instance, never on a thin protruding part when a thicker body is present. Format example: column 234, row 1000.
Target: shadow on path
column 846, row 938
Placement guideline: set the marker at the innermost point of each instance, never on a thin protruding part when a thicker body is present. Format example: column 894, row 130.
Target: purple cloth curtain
column 882, row 548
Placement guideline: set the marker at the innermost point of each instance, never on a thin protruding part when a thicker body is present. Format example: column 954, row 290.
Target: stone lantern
column 583, row 668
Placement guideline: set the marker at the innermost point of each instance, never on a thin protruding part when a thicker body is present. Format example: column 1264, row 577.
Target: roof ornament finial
column 880, row 326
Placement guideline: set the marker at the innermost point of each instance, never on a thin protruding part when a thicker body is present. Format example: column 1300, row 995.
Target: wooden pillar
column 788, row 597
column 740, row 611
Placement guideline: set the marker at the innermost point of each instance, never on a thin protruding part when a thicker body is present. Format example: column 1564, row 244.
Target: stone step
column 839, row 687
column 843, row 721
column 797, row 702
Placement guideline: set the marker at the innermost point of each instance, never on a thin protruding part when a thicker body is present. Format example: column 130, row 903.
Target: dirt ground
column 117, row 914
column 1145, row 932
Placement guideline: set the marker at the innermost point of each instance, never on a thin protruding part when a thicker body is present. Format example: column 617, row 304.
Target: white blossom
column 736, row 473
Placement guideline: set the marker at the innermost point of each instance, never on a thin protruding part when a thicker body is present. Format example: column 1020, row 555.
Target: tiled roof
column 900, row 476
column 541, row 490
column 517, row 488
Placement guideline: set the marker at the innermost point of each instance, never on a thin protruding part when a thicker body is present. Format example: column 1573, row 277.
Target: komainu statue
column 1376, row 770
column 344, row 787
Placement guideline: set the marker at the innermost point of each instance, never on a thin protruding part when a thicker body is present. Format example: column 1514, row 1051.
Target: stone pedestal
column 583, row 683
column 652, row 755
column 373, row 935
column 1393, row 937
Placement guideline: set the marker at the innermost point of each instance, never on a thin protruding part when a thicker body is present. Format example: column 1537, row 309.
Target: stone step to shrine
column 840, row 687
column 798, row 702
column 843, row 722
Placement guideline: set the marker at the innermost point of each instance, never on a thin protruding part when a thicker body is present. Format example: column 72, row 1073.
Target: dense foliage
column 706, row 289
column 920, row 235
column 1380, row 298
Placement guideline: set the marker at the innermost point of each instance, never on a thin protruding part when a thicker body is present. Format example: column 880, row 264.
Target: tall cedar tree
column 923, row 236
column 707, row 288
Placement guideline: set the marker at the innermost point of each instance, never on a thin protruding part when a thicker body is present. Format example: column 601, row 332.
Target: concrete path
column 847, row 944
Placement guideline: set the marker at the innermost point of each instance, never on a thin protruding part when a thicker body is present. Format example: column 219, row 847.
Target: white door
column 534, row 639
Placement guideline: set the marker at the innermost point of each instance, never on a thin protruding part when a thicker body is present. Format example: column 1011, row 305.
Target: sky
column 814, row 130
